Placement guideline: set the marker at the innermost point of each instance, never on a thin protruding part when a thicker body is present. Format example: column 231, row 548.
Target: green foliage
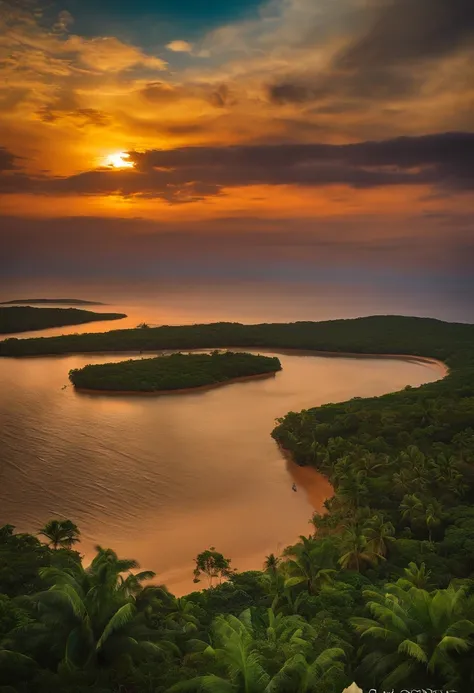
column 382, row 593
column 172, row 372
column 61, row 533
column 419, row 636
column 213, row 565
column 26, row 318
column 374, row 335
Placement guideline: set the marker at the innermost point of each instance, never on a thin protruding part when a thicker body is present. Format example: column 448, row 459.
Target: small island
column 26, row 318
column 173, row 373
column 56, row 301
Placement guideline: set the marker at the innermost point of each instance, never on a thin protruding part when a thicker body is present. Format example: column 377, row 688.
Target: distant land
column 26, row 318
column 66, row 301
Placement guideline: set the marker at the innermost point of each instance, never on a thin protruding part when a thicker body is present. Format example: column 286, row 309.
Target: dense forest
column 377, row 334
column 380, row 592
column 173, row 372
column 26, row 318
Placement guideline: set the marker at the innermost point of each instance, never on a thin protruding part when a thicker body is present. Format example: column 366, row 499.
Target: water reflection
column 161, row 479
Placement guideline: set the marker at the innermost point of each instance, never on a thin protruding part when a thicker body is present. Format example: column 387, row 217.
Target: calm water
column 161, row 479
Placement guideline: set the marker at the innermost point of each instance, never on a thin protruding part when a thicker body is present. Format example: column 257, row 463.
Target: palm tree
column 92, row 613
column 415, row 576
column 370, row 462
column 418, row 636
column 61, row 533
column 271, row 563
column 411, row 508
column 182, row 615
column 352, row 491
column 356, row 551
column 307, row 677
column 310, row 563
column 379, row 534
column 234, row 648
column 433, row 516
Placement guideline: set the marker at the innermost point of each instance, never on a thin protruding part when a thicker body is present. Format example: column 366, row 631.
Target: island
column 173, row 373
column 56, row 301
column 26, row 318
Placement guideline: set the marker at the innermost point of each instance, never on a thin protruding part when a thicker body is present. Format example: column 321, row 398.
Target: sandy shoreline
column 184, row 390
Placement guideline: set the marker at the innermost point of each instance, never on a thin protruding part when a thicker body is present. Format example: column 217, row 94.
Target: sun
column 119, row 160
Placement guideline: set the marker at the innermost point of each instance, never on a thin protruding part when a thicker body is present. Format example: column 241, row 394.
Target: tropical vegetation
column 380, row 592
column 173, row 372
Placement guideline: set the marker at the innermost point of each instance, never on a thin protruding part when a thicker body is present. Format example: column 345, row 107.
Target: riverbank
column 184, row 390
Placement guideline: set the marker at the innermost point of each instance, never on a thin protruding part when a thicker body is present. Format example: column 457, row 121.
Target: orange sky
column 291, row 72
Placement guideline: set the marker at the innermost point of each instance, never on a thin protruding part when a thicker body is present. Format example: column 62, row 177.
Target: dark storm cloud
column 379, row 62
column 373, row 82
column 412, row 29
column 193, row 173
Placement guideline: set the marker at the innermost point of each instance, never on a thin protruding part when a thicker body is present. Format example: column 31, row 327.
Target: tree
column 379, row 534
column 356, row 552
column 422, row 512
column 310, row 563
column 352, row 490
column 415, row 576
column 433, row 516
column 213, row 565
column 61, row 533
column 411, row 508
column 418, row 636
column 89, row 616
column 271, row 563
column 235, row 649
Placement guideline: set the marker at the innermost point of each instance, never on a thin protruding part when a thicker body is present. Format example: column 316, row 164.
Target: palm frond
column 120, row 619
column 413, row 650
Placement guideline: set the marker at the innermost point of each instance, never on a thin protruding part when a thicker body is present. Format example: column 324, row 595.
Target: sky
column 291, row 140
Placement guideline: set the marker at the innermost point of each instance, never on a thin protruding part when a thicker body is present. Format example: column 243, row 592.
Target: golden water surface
column 161, row 479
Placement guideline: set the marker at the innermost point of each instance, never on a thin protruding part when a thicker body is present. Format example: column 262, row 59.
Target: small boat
column 294, row 487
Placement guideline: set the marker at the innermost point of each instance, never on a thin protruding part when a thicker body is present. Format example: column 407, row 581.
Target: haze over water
column 161, row 479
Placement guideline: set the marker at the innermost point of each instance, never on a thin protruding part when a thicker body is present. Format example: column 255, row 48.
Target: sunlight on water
column 161, row 479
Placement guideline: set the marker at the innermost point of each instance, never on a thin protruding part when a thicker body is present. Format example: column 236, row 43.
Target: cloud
column 82, row 117
column 64, row 21
column 191, row 173
column 397, row 52
column 222, row 97
column 7, row 160
column 180, row 46
column 407, row 30
column 109, row 54
column 159, row 92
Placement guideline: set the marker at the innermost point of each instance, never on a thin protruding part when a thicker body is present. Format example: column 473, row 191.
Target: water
column 161, row 479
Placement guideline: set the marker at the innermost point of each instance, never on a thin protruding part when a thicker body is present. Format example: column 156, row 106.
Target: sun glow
column 119, row 160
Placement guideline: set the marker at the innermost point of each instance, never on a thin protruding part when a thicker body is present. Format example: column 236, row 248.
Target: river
column 161, row 479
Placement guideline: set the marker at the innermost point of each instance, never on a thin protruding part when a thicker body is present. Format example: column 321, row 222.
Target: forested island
column 175, row 372
column 26, row 319
column 380, row 592
column 57, row 301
